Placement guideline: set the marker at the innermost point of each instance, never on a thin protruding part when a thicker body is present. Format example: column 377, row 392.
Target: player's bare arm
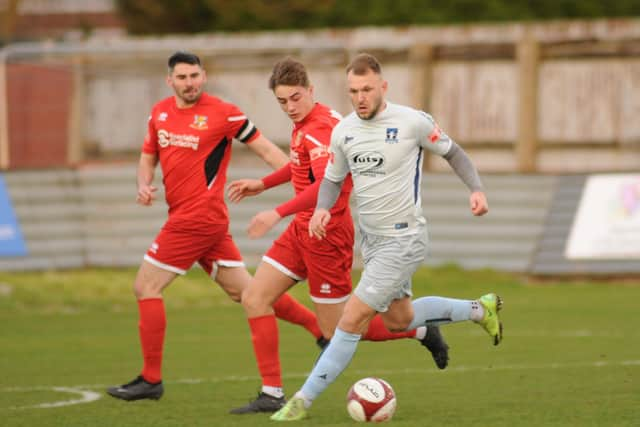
column 269, row 152
column 146, row 170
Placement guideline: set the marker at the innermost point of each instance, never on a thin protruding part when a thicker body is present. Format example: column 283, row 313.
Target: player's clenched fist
column 479, row 204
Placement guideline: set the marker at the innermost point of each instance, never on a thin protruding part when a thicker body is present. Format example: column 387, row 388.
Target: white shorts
column 389, row 264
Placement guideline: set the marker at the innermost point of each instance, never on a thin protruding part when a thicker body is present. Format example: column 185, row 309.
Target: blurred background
column 544, row 96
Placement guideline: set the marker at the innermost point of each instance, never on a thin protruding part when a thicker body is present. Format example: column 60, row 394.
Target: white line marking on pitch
column 90, row 396
column 86, row 396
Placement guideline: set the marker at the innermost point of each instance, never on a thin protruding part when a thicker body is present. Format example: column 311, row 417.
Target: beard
column 370, row 115
column 191, row 97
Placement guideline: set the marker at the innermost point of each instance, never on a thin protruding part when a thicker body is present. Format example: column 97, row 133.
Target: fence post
column 421, row 81
column 75, row 147
column 4, row 113
column 528, row 57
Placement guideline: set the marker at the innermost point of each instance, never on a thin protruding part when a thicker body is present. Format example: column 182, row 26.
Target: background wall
column 537, row 106
column 556, row 97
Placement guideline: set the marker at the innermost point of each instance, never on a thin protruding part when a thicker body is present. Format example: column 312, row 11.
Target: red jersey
column 309, row 153
column 194, row 148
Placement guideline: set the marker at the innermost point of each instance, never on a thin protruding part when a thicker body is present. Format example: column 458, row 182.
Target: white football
column 371, row 399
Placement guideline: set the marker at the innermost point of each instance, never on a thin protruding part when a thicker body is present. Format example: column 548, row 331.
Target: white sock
column 421, row 332
column 307, row 403
column 276, row 392
column 477, row 311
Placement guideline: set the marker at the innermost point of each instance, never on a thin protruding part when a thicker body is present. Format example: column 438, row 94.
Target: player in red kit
column 190, row 134
column 295, row 256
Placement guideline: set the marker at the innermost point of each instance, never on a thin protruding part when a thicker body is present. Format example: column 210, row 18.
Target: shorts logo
column 199, row 122
column 325, row 288
column 154, row 247
column 392, row 136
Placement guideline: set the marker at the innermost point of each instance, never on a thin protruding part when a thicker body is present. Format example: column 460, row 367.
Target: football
column 371, row 399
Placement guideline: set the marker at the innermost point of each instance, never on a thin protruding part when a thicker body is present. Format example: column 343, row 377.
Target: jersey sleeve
column 150, row 144
column 337, row 166
column 240, row 127
column 430, row 136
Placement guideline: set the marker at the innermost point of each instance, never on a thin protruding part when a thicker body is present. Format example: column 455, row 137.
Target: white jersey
column 384, row 155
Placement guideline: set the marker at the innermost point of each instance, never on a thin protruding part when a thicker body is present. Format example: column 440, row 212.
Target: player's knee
column 235, row 295
column 252, row 301
column 143, row 290
column 396, row 324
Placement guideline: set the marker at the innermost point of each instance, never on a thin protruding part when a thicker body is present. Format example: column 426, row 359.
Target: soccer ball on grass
column 371, row 399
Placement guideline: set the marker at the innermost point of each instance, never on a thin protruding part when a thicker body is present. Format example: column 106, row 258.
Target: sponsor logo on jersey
column 199, row 122
column 166, row 138
column 162, row 117
column 347, row 139
column 317, row 152
column 369, row 163
column 392, row 136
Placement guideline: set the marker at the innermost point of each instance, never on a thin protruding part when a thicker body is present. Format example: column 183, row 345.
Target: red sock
column 378, row 332
column 287, row 308
column 152, row 326
column 264, row 335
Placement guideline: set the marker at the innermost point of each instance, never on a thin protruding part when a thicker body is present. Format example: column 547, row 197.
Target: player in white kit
column 382, row 145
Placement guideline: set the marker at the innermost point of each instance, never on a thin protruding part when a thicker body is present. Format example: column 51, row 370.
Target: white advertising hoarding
column 607, row 222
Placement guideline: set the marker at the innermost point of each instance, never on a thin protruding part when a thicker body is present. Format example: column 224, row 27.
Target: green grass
column 571, row 355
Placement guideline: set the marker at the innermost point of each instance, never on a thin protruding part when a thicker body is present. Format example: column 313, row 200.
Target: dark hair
column 182, row 57
column 363, row 63
column 288, row 72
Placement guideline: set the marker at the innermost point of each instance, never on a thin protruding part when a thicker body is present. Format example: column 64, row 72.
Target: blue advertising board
column 11, row 240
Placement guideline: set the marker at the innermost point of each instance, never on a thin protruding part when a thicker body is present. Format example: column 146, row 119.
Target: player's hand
column 242, row 188
column 478, row 202
column 262, row 223
column 318, row 223
column 146, row 194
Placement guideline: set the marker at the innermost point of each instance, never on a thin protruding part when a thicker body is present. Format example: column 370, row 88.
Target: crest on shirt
column 297, row 140
column 392, row 136
column 162, row 117
column 199, row 122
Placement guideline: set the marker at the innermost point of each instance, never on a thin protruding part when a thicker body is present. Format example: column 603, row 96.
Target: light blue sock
column 439, row 311
column 335, row 359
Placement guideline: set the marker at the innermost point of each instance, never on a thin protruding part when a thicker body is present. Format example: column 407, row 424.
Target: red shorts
column 176, row 249
column 325, row 263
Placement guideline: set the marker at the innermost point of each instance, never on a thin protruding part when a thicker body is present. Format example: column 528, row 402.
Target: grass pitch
column 570, row 356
